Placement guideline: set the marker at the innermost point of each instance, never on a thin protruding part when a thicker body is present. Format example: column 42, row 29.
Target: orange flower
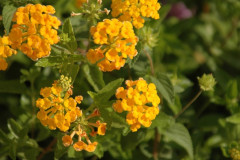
column 67, row 140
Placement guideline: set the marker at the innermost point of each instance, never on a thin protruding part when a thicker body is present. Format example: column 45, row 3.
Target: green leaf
column 176, row 106
column 49, row 61
column 13, row 150
column 179, row 134
column 4, row 150
column 74, row 71
column 180, row 83
column 130, row 141
column 12, row 86
column 234, row 118
column 14, row 127
column 31, row 153
column 99, row 151
column 43, row 133
column 162, row 121
column 106, row 115
column 23, row 132
column 131, row 62
column 3, row 137
column 94, row 76
column 70, row 70
column 74, row 154
column 232, row 89
column 7, row 14
column 71, row 42
column 164, row 86
column 60, row 149
column 107, row 91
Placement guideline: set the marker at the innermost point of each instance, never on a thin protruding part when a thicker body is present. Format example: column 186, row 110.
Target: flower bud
column 206, row 82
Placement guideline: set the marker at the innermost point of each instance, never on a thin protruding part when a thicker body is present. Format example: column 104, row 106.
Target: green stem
column 150, row 61
column 157, row 140
column 89, row 42
column 33, row 99
column 157, row 137
column 189, row 104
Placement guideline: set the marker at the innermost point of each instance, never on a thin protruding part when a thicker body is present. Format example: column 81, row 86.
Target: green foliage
column 179, row 134
column 17, row 142
column 103, row 95
column 94, row 76
column 7, row 13
column 68, row 37
column 180, row 51
column 12, row 86
column 164, row 86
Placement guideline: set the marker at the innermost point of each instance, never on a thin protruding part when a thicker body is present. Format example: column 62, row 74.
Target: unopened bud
column 206, row 82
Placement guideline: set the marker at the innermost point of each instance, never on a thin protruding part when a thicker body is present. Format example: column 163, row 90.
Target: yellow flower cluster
column 235, row 154
column 35, row 30
column 81, row 132
column 57, row 108
column 5, row 51
column 140, row 100
column 134, row 10
column 117, row 40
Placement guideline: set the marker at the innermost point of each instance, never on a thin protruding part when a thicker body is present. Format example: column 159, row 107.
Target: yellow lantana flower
column 140, row 100
column 117, row 42
column 135, row 10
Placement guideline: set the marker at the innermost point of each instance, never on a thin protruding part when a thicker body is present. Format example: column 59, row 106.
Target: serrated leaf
column 14, row 127
column 12, row 86
column 234, row 118
column 7, row 14
column 107, row 91
column 94, row 76
column 164, row 86
column 179, row 134
column 67, row 29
